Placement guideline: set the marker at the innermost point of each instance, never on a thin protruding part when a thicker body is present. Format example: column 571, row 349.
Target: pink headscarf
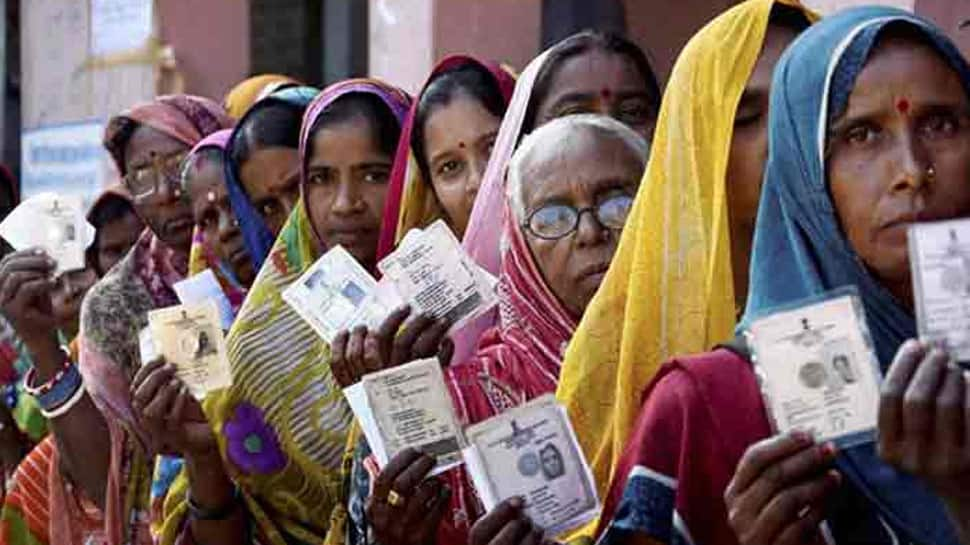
column 218, row 140
column 517, row 360
column 186, row 118
column 395, row 99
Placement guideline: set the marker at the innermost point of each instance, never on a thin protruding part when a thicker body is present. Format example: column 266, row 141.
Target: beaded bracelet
column 62, row 390
column 47, row 386
column 63, row 408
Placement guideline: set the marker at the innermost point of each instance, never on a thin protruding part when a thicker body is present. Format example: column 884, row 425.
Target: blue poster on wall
column 67, row 159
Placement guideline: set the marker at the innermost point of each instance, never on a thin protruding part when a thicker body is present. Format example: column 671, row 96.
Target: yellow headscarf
column 246, row 93
column 670, row 287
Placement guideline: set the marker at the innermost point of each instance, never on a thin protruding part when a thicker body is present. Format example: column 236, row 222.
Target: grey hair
column 556, row 134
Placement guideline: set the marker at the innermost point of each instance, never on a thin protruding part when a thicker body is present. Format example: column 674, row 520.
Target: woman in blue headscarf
column 869, row 131
column 263, row 170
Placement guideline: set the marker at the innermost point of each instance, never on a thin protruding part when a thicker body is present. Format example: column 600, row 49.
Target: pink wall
column 407, row 37
column 507, row 31
column 948, row 14
column 211, row 42
column 663, row 28
column 400, row 41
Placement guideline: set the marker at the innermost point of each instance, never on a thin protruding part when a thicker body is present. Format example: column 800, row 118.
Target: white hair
column 556, row 134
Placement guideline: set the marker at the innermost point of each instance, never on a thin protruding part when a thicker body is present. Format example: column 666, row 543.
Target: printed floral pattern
column 252, row 443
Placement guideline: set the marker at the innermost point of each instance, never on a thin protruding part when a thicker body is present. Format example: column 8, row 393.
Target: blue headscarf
column 799, row 248
column 257, row 236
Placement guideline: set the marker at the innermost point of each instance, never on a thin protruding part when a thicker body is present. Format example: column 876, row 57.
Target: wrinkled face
column 166, row 211
column 271, row 177
column 115, row 239
column 458, row 140
column 749, row 151
column 590, row 171
column 67, row 297
column 899, row 154
column 347, row 176
column 599, row 82
column 205, row 182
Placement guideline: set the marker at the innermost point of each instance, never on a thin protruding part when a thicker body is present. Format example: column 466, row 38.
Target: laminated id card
column 817, row 369
column 940, row 262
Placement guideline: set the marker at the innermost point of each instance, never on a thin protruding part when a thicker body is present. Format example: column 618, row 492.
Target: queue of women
column 633, row 235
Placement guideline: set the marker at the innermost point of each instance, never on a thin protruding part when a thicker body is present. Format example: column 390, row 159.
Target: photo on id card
column 940, row 263
column 532, row 452
column 54, row 223
column 817, row 369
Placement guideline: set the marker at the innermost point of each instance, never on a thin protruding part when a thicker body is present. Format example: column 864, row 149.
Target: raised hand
column 406, row 507
column 173, row 418
column 778, row 493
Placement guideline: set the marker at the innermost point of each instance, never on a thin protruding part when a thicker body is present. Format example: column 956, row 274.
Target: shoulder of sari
column 114, row 311
column 723, row 383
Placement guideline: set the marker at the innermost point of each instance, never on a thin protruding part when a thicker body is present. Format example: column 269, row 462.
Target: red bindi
column 606, row 93
column 903, row 106
column 461, row 145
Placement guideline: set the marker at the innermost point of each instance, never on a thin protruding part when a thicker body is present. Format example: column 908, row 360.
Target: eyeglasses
column 556, row 221
column 146, row 181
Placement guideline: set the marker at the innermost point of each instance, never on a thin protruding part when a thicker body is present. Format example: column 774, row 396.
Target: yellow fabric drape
column 198, row 261
column 419, row 205
column 670, row 287
column 247, row 92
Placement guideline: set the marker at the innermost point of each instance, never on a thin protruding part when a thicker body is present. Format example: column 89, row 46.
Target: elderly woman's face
column 592, row 173
column 166, row 211
column 900, row 154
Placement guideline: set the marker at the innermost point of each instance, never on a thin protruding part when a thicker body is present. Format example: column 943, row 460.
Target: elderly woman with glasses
column 570, row 188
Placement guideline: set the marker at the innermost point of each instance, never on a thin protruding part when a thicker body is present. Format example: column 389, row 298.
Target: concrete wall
column 826, row 7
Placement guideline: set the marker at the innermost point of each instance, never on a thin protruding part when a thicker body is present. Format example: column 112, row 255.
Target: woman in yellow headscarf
column 680, row 273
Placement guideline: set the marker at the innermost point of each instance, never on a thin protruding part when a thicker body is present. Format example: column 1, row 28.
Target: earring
column 930, row 173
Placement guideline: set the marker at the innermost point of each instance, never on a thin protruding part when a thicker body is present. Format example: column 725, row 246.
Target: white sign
column 64, row 159
column 120, row 26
